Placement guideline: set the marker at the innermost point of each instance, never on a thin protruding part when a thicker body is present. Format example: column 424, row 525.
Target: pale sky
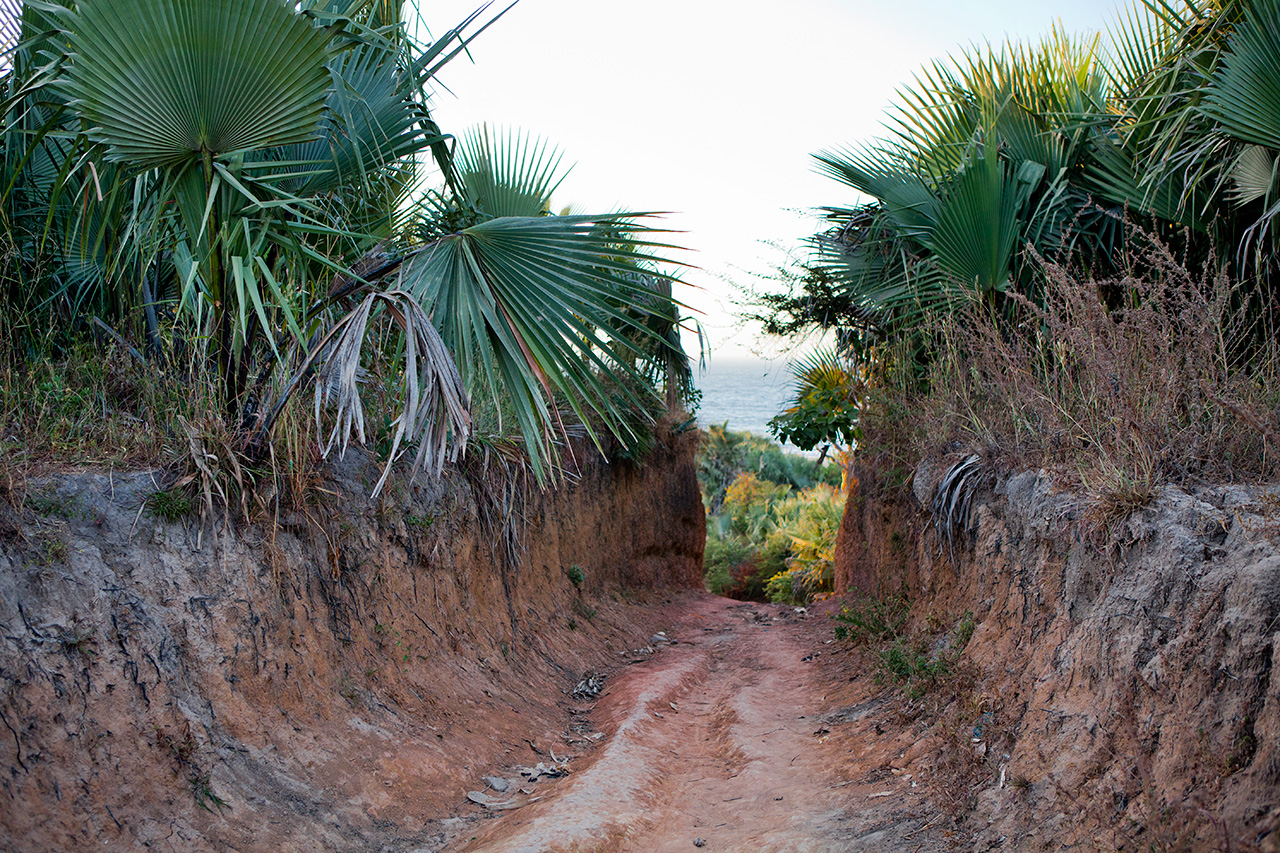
column 710, row 108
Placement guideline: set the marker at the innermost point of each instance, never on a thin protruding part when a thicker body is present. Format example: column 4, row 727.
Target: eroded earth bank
column 427, row 672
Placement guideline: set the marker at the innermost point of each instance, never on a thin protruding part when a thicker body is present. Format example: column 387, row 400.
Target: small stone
column 498, row 784
column 698, row 842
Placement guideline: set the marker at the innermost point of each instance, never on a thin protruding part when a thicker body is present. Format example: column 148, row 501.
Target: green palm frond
column 1245, row 95
column 980, row 221
column 524, row 302
column 1256, row 175
column 161, row 82
column 906, row 199
column 372, row 125
column 508, row 173
column 1141, row 42
column 10, row 30
column 979, row 163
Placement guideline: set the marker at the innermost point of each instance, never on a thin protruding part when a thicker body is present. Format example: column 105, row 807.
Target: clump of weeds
column 183, row 748
column 588, row 613
column 171, row 505
column 871, row 620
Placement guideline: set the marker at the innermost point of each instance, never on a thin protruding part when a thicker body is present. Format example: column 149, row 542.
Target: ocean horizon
column 744, row 393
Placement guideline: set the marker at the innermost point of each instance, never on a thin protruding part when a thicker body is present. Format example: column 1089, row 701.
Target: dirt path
column 741, row 735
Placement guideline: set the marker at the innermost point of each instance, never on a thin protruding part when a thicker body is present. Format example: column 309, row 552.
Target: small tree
column 828, row 394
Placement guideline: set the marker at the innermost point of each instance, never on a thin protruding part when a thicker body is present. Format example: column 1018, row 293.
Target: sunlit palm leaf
column 10, row 31
column 162, row 81
column 980, row 221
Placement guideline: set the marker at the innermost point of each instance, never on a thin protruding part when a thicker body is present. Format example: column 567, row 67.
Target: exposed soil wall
column 1122, row 696
column 318, row 687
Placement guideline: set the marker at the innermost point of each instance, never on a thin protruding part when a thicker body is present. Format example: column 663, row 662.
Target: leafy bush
column 771, row 544
column 724, row 454
column 749, row 505
column 770, row 513
column 811, row 522
column 724, row 556
column 909, row 661
column 575, row 575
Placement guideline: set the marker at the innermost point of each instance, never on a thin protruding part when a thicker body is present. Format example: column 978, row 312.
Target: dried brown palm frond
column 435, row 408
column 436, row 413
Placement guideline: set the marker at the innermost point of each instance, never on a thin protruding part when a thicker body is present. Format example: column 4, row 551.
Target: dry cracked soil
column 740, row 727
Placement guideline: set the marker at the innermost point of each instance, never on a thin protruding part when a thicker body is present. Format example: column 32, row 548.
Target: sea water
column 744, row 392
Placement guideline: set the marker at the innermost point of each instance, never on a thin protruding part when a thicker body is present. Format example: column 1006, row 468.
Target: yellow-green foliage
column 749, row 504
column 810, row 521
column 760, row 521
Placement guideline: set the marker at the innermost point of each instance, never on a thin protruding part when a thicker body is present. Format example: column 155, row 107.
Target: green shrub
column 869, row 620
column 770, row 513
column 962, row 633
column 918, row 664
column 749, row 505
column 724, row 454
column 722, row 556
column 811, row 522
column 911, row 664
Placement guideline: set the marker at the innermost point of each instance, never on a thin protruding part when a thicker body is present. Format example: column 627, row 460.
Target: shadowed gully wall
column 334, row 682
column 1126, row 676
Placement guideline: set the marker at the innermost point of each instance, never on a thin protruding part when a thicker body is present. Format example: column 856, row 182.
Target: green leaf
column 509, row 174
column 1245, row 95
column 162, row 82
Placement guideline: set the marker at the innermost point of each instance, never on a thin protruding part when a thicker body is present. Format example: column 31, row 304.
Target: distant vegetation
column 1065, row 255
column 772, row 518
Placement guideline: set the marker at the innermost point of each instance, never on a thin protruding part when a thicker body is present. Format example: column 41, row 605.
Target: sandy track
column 727, row 737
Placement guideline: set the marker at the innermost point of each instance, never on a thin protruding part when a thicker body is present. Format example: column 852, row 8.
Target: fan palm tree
column 980, row 163
column 257, row 168
column 542, row 310
column 1177, row 125
column 1200, row 106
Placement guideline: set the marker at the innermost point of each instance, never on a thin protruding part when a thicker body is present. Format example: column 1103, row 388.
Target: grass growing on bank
column 77, row 402
column 86, row 401
column 772, row 518
column 1117, row 386
column 915, row 662
column 88, row 407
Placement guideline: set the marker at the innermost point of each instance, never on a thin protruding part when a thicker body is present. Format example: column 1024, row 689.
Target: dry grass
column 91, row 406
column 1116, row 386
